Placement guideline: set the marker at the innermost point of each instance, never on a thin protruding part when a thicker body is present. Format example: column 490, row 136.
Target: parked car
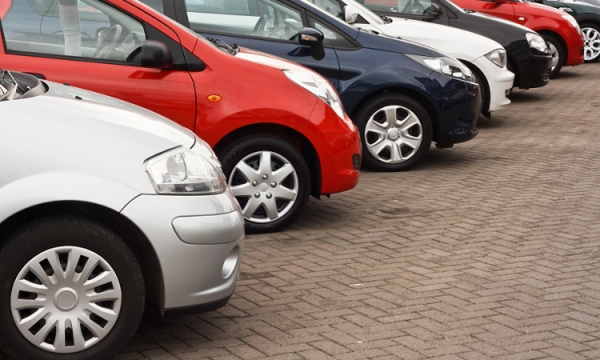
column 104, row 205
column 484, row 57
column 588, row 18
column 528, row 56
column 401, row 95
column 559, row 29
column 279, row 129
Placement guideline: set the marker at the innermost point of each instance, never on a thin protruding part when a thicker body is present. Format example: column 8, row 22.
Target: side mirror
column 310, row 37
column 350, row 14
column 314, row 38
column 156, row 54
column 435, row 10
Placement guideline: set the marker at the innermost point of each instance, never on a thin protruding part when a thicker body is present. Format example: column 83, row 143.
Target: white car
column 485, row 57
column 104, row 205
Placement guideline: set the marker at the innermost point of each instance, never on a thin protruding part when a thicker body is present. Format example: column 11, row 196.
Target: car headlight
column 184, row 172
column 572, row 20
column 318, row 86
column 445, row 65
column 498, row 57
column 537, row 42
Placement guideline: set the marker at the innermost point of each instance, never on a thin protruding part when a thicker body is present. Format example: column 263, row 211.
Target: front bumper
column 198, row 241
column 338, row 146
column 458, row 105
column 500, row 80
column 575, row 48
column 533, row 67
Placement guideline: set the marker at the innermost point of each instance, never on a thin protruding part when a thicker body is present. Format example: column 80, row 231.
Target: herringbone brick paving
column 488, row 250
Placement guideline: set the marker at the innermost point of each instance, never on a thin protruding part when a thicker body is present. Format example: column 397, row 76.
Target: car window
column 85, row 28
column 331, row 6
column 332, row 37
column 255, row 18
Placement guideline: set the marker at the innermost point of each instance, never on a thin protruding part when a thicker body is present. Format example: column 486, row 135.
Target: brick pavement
column 488, row 250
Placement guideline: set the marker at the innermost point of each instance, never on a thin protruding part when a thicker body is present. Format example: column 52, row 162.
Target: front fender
column 61, row 186
column 398, row 72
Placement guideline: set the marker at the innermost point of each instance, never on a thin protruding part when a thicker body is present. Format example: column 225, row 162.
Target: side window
column 87, row 29
column 331, row 6
column 332, row 37
column 262, row 19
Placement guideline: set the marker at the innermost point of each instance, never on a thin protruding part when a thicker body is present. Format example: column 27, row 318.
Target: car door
column 270, row 26
column 93, row 47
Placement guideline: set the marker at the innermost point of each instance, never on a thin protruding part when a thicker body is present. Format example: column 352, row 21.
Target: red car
column 559, row 29
column 279, row 129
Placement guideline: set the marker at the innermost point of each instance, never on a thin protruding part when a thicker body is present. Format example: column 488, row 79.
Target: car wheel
column 558, row 54
column 395, row 130
column 591, row 37
column 270, row 180
column 70, row 288
column 485, row 101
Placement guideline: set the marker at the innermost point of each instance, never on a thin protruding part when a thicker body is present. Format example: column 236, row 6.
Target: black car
column 527, row 58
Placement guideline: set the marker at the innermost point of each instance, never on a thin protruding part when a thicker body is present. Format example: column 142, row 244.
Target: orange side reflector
column 214, row 98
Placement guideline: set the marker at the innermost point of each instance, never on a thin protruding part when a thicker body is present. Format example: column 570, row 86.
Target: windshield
column 364, row 12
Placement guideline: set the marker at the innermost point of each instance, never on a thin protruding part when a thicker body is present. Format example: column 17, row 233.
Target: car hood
column 272, row 61
column 455, row 42
column 70, row 130
column 500, row 20
column 78, row 103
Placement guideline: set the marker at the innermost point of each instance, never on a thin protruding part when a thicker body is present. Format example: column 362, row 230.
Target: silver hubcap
column 266, row 186
column 592, row 43
column 66, row 299
column 554, row 52
column 393, row 134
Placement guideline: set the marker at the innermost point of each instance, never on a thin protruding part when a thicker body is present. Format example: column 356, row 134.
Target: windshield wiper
column 233, row 49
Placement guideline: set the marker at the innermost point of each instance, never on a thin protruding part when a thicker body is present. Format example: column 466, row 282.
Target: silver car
column 104, row 206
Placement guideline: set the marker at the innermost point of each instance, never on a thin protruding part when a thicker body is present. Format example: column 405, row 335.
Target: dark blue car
column 401, row 95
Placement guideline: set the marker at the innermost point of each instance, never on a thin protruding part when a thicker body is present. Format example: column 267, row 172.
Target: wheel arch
column 486, row 84
column 295, row 138
column 127, row 230
column 420, row 98
column 557, row 37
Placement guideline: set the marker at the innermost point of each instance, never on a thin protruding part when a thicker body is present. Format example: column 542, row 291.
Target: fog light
column 230, row 262
column 356, row 162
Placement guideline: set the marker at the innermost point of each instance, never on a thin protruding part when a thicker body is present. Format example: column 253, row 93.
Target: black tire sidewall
column 241, row 148
column 561, row 53
column 370, row 107
column 49, row 233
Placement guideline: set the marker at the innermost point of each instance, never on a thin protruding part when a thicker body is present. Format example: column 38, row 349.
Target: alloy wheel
column 591, row 38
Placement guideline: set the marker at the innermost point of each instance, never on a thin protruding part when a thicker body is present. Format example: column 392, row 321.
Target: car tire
column 61, row 272
column 270, row 199
column 483, row 87
column 558, row 54
column 591, row 38
column 396, row 145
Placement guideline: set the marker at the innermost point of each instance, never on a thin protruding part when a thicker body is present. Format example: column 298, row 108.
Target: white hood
column 460, row 44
